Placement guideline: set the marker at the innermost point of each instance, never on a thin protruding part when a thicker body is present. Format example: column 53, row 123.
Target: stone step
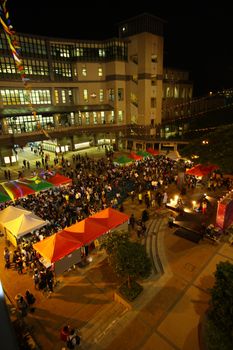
column 101, row 324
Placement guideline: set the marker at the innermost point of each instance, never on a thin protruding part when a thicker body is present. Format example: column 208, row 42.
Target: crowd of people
column 97, row 184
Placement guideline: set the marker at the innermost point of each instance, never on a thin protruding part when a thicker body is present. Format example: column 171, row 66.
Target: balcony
column 58, row 132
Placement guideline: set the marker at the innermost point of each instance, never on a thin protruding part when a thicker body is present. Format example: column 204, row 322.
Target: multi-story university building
column 85, row 92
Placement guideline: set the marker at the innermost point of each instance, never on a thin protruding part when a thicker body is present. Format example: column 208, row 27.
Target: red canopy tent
column 110, row 218
column 59, row 179
column 135, row 156
column 85, row 231
column 201, row 170
column 152, row 151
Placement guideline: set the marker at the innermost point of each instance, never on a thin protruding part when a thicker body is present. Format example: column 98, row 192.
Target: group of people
column 70, row 336
column 24, row 304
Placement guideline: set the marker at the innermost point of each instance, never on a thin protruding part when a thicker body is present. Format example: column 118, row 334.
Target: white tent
column 24, row 224
column 11, row 213
column 16, row 222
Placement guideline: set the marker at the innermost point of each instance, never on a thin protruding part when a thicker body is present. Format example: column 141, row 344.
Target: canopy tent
column 152, row 151
column 59, row 179
column 4, row 197
column 20, row 224
column 24, row 224
column 11, row 213
column 35, row 183
column 57, row 246
column 123, row 160
column 110, row 218
column 201, row 170
column 59, row 250
column 85, row 231
column 16, row 190
column 134, row 156
column 143, row 154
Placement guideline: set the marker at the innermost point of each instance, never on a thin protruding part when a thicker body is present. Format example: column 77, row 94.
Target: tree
column 219, row 327
column 128, row 259
column 218, row 150
column 131, row 261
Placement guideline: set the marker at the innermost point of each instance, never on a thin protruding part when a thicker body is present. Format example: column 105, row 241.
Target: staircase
column 94, row 335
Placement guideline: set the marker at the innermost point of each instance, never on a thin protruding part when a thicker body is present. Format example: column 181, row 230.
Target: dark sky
column 198, row 35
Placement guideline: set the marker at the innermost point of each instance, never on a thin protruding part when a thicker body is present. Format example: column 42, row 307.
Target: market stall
column 59, row 250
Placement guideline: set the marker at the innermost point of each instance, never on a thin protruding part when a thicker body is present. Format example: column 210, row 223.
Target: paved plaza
column 164, row 317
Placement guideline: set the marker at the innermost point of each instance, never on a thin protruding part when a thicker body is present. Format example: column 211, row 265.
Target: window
column 153, row 80
column 120, row 94
column 79, row 52
column 101, row 95
column 101, row 52
column 100, row 72
column 120, row 116
column 85, row 95
column 22, row 97
column 63, row 96
column 95, row 118
column 168, row 91
column 70, row 94
column 111, row 95
column 133, row 99
column 112, row 117
column 102, row 115
column 154, row 58
column 135, row 78
column 87, row 117
column 84, row 71
column 176, row 92
column 153, row 102
column 56, row 96
column 62, row 71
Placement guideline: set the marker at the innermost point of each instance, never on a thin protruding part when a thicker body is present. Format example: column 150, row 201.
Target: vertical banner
column 220, row 218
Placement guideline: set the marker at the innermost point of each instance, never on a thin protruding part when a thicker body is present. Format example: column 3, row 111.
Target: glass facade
column 28, row 123
column 20, row 97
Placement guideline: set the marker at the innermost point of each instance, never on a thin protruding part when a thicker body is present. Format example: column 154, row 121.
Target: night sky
column 198, row 35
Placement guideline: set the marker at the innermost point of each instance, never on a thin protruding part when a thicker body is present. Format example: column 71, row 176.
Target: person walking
column 30, row 299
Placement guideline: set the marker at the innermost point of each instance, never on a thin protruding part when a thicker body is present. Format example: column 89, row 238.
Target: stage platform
column 188, row 234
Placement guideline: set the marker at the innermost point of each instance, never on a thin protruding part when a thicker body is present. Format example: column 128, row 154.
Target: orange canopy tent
column 110, row 218
column 56, row 247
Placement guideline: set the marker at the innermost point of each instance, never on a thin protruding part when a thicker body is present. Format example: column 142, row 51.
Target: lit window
column 120, row 116
column 63, row 96
column 56, row 96
column 102, row 115
column 101, row 53
column 79, row 52
column 100, row 72
column 84, row 71
column 95, row 118
column 85, row 95
column 101, row 95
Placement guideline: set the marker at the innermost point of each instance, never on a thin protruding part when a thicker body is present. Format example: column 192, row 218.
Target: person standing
column 64, row 333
